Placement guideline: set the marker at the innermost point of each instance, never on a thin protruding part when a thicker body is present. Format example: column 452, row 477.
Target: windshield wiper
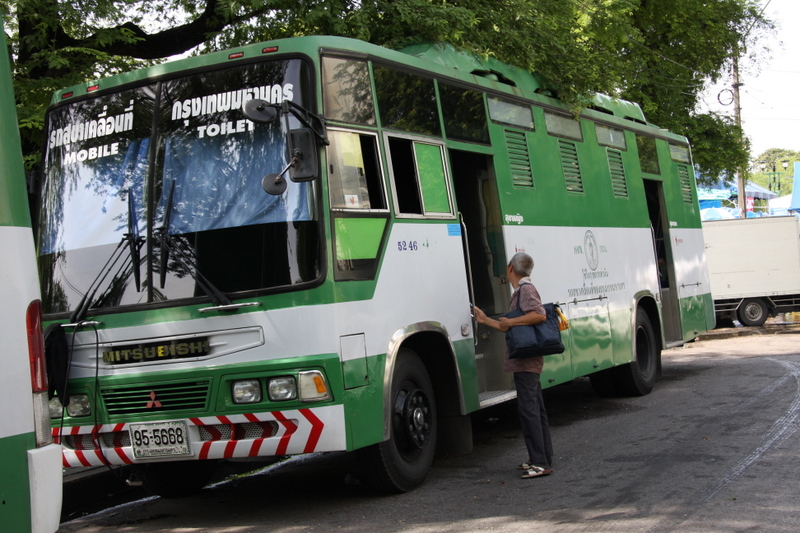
column 168, row 246
column 134, row 242
column 133, row 259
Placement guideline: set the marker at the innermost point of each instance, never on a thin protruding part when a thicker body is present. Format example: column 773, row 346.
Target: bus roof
column 439, row 58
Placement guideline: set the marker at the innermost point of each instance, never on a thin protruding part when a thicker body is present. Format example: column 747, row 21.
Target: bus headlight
column 56, row 409
column 247, row 391
column 313, row 387
column 282, row 388
column 79, row 405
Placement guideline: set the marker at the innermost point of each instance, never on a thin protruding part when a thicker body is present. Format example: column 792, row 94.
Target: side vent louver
column 686, row 183
column 570, row 166
column 618, row 181
column 519, row 159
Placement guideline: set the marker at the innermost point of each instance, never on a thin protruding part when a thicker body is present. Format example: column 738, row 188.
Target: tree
column 656, row 53
column 682, row 44
column 769, row 171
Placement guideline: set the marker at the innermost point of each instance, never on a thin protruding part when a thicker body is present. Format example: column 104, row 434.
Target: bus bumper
column 274, row 433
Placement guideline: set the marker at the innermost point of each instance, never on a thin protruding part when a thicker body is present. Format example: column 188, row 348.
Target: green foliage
column 653, row 52
column 769, row 171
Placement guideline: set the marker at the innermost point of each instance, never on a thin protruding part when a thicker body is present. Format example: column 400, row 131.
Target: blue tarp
column 753, row 190
column 795, row 203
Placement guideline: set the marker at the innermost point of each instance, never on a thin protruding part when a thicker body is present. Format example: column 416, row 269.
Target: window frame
column 417, row 139
column 380, row 165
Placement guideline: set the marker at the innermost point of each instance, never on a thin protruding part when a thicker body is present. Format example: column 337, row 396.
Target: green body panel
column 219, row 402
column 547, row 203
column 15, row 498
column 358, row 238
column 13, row 212
column 363, row 407
column 467, row 369
column 697, row 315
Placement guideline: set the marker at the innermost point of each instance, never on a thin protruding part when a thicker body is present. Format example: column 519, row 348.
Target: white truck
column 754, row 265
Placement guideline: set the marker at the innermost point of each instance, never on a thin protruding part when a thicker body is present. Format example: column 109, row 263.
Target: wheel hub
column 415, row 417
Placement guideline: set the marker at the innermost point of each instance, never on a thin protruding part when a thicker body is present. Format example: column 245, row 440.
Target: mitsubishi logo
column 153, row 402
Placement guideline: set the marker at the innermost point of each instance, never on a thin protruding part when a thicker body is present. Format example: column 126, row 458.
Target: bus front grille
column 156, row 397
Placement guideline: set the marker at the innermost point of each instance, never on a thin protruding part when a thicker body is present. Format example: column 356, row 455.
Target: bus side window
column 406, row 102
column 354, row 175
column 648, row 154
column 347, row 92
column 419, row 178
column 464, row 114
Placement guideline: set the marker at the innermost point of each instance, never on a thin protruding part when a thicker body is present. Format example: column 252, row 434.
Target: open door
column 479, row 212
column 662, row 248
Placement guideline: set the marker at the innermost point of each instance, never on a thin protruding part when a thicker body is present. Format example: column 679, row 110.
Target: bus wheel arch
column 420, row 387
column 401, row 463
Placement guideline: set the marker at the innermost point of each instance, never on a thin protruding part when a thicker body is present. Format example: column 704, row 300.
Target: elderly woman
column 527, row 371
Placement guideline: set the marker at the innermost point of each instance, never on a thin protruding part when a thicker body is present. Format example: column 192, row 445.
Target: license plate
column 159, row 439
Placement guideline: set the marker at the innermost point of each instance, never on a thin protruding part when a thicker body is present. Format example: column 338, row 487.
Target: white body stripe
column 19, row 285
column 438, row 279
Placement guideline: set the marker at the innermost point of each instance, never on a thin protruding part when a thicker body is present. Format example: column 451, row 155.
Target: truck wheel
column 175, row 479
column 753, row 312
column 402, row 462
column 638, row 377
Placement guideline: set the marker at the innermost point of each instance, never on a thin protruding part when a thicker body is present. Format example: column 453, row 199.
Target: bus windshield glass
column 150, row 189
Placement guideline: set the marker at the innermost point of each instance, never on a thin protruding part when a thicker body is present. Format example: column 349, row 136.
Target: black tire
column 753, row 312
column 402, row 462
column 638, row 377
column 175, row 479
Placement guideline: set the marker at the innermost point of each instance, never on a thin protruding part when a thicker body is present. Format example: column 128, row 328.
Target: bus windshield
column 173, row 158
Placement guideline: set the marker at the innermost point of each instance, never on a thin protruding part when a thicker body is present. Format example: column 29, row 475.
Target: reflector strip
column 234, row 436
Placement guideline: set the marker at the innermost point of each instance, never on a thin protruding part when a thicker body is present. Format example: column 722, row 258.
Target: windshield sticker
column 91, row 129
column 230, row 100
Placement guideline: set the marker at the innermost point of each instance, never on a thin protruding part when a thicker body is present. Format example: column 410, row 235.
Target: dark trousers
column 533, row 418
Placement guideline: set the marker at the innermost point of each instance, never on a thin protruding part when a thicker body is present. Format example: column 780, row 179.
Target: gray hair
column 522, row 264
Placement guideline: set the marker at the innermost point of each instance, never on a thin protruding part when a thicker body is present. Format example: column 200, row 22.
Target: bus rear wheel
column 402, row 462
column 638, row 377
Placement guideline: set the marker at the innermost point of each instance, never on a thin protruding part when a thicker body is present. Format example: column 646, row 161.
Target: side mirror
column 303, row 146
column 301, row 142
column 261, row 111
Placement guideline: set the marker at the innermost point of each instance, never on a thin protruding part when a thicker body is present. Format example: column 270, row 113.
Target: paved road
column 712, row 449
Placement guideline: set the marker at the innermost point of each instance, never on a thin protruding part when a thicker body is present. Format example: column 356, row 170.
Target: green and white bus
column 30, row 463
column 273, row 250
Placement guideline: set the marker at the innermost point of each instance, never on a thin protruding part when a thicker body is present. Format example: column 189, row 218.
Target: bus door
column 662, row 248
column 479, row 212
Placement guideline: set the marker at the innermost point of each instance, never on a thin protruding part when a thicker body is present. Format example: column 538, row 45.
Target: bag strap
column 519, row 296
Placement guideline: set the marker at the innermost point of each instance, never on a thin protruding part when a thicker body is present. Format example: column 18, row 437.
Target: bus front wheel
column 402, row 462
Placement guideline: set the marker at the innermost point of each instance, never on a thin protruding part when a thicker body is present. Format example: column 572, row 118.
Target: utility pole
column 737, row 109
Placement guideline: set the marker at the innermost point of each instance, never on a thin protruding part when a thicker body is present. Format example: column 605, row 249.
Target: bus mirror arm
column 302, row 142
column 263, row 112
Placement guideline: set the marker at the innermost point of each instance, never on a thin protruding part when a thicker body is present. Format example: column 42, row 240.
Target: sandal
column 536, row 471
